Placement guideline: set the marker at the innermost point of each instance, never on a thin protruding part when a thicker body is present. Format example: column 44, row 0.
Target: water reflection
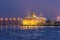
column 31, row 27
column 29, row 32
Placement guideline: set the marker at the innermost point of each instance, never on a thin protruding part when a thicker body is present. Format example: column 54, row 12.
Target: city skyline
column 21, row 8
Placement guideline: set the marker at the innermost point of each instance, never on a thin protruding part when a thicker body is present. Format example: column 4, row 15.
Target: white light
column 6, row 19
column 14, row 18
column 18, row 18
column 1, row 19
column 10, row 19
column 58, row 18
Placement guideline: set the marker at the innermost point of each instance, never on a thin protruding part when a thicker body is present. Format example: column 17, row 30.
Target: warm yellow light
column 25, row 22
column 29, row 22
column 34, row 20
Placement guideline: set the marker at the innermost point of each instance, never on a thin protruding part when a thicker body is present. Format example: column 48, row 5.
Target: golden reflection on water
column 23, row 27
column 27, row 27
column 31, row 27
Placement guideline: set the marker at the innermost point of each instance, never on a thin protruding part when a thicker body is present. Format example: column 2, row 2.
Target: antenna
column 33, row 14
column 41, row 14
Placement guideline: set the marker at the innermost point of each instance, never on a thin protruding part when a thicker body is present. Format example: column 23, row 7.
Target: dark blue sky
column 21, row 8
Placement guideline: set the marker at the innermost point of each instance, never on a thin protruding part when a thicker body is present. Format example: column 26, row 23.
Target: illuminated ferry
column 34, row 20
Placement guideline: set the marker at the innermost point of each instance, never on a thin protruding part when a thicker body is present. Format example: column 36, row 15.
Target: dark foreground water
column 16, row 33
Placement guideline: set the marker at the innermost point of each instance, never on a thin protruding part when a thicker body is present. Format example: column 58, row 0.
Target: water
column 29, row 33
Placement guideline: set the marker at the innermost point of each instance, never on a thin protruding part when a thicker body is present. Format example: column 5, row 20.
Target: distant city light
column 18, row 18
column 10, row 18
column 6, row 19
column 14, row 18
column 1, row 19
column 58, row 18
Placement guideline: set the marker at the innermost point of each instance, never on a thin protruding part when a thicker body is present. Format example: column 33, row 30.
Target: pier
column 10, row 21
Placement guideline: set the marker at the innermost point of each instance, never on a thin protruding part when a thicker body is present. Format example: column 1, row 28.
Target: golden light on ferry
column 1, row 19
column 34, row 20
column 29, row 22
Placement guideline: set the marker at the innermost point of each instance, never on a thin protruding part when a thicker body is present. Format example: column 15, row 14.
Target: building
column 33, row 20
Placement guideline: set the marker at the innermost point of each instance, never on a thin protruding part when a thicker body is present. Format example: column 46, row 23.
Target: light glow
column 1, row 19
column 14, row 18
column 6, row 19
column 18, row 18
column 10, row 19
column 58, row 18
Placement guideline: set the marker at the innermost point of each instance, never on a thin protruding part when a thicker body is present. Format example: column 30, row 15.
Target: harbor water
column 30, row 33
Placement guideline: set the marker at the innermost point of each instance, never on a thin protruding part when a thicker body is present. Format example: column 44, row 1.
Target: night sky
column 20, row 8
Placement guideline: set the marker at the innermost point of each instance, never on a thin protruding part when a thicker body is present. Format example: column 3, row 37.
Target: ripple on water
column 14, row 33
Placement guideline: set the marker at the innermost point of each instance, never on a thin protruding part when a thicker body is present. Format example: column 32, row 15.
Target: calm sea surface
column 29, row 33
